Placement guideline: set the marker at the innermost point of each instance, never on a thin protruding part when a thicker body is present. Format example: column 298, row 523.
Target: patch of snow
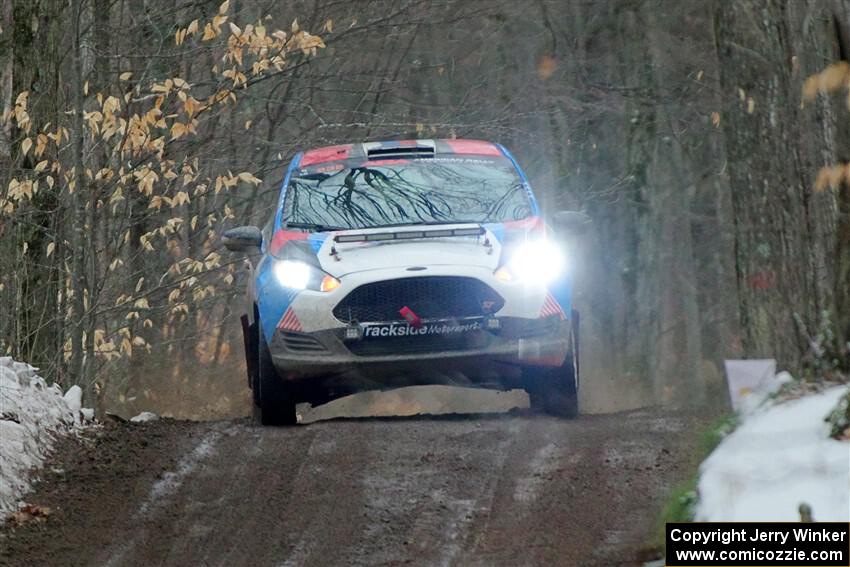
column 779, row 457
column 144, row 417
column 32, row 416
column 74, row 398
column 762, row 396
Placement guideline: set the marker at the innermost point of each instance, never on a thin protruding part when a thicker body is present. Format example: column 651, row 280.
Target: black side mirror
column 243, row 239
column 575, row 222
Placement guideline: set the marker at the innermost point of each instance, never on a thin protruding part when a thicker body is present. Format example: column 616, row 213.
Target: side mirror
column 243, row 239
column 575, row 222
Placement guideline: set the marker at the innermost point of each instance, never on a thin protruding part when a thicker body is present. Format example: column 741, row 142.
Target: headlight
column 299, row 275
column 534, row 261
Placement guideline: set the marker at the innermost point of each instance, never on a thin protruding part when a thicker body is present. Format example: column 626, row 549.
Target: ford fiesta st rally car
column 406, row 262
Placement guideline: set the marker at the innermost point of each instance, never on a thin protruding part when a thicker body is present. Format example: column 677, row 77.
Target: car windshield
column 390, row 193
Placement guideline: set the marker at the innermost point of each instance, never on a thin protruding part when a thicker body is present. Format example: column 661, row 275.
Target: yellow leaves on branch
column 181, row 198
column 267, row 50
column 832, row 177
column 238, row 77
column 833, row 78
column 230, row 180
column 249, row 178
column 546, row 67
column 144, row 240
column 715, row 119
column 212, row 260
column 179, row 129
column 19, row 113
column 213, row 29
column 145, row 179
column 41, row 142
column 20, row 190
column 133, row 132
column 105, row 346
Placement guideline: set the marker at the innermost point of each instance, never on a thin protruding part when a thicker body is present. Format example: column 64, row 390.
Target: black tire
column 274, row 402
column 554, row 391
column 575, row 320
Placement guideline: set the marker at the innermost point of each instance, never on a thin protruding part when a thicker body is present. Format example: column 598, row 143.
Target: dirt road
column 510, row 489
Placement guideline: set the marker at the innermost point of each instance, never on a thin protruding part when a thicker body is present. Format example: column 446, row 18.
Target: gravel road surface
column 505, row 489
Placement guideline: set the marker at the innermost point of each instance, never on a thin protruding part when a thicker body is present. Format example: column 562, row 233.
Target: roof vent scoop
column 416, row 150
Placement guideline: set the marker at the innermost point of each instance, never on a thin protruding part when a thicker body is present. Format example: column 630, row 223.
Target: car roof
column 400, row 149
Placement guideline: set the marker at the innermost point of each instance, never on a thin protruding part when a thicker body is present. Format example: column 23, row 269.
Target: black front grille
column 430, row 297
column 418, row 345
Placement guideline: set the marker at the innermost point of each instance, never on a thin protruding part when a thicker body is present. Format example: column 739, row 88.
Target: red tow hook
column 411, row 317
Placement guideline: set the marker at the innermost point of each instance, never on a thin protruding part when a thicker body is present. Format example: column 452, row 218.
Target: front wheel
column 274, row 403
column 554, row 391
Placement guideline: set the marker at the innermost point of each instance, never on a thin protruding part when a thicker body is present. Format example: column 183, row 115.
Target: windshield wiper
column 314, row 226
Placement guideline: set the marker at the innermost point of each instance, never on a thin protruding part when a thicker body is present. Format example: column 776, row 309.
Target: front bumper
column 517, row 342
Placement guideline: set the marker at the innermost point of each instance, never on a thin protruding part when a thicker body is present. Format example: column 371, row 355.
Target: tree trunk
column 78, row 200
column 7, row 61
column 785, row 234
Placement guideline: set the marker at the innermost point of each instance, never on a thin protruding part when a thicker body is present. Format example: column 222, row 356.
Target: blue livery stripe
column 316, row 239
column 278, row 217
column 272, row 298
column 535, row 208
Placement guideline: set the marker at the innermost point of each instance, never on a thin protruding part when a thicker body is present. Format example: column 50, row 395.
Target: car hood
column 342, row 258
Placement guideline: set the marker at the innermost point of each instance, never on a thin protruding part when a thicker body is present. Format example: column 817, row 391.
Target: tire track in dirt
column 426, row 486
column 454, row 490
column 162, row 489
column 238, row 496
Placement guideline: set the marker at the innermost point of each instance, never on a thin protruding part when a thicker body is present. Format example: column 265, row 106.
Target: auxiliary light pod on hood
column 409, row 234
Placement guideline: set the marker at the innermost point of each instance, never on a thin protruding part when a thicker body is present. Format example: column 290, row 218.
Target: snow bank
column 144, row 417
column 32, row 415
column 779, row 457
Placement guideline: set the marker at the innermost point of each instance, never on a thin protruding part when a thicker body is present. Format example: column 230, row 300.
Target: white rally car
column 401, row 263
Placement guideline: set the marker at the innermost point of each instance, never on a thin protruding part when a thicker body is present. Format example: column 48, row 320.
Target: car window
column 434, row 190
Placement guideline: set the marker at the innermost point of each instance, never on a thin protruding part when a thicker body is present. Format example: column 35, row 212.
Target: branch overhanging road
column 508, row 489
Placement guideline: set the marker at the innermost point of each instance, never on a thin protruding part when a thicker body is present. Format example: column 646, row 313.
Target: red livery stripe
column 551, row 308
column 281, row 237
column 528, row 224
column 328, row 153
column 393, row 161
column 290, row 322
column 476, row 147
